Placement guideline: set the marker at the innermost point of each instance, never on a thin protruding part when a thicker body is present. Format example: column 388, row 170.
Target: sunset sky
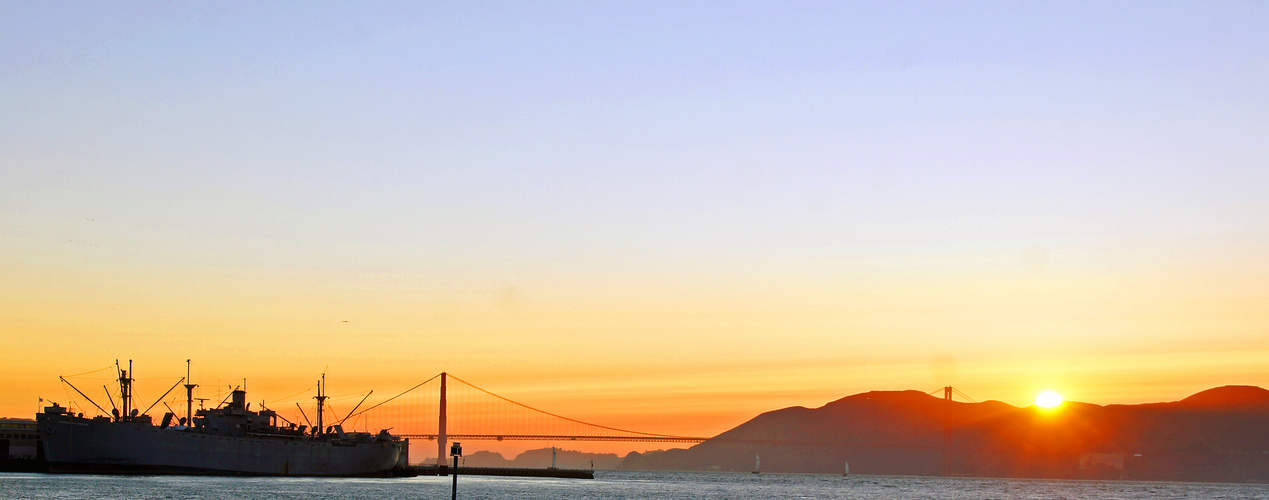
column 666, row 216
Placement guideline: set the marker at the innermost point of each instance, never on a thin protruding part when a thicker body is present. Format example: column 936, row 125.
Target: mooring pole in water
column 457, row 451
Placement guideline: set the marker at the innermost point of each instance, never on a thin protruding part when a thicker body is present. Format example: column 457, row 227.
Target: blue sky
column 666, row 124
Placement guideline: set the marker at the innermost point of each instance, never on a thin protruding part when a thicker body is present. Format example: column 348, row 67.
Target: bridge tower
column 440, row 428
column 947, row 428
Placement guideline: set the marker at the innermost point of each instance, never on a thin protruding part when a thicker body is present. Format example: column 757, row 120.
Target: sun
column 1049, row 400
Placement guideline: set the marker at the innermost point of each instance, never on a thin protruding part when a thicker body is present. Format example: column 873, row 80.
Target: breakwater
column 443, row 470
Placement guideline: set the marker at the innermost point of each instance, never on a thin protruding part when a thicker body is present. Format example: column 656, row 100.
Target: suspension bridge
column 446, row 407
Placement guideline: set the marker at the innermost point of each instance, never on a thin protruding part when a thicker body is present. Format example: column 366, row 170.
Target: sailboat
column 846, row 472
column 757, row 464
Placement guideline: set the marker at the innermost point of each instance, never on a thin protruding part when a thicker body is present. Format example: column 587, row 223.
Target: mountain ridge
column 1219, row 434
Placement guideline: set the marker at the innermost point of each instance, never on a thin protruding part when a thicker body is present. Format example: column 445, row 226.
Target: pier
column 443, row 470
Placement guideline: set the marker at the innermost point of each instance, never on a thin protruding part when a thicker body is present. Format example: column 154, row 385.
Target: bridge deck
column 526, row 437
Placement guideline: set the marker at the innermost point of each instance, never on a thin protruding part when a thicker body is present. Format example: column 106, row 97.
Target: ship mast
column 125, row 389
column 189, row 397
column 321, row 402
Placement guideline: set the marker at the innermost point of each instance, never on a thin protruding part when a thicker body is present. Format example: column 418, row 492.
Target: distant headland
column 1220, row 434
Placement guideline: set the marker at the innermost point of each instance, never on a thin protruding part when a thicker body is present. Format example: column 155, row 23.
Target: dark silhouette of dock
column 443, row 470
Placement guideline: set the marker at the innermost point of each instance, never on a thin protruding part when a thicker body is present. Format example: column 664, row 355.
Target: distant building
column 19, row 439
column 20, row 447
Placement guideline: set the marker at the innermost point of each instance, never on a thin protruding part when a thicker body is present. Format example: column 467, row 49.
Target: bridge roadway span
column 539, row 437
column 674, row 439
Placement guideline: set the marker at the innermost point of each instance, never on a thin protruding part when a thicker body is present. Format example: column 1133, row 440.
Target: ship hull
column 101, row 446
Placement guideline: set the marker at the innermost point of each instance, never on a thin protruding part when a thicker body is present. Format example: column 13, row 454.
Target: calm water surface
column 608, row 485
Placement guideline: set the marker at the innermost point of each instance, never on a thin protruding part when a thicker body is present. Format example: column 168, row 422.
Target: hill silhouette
column 1230, row 397
column 1220, row 434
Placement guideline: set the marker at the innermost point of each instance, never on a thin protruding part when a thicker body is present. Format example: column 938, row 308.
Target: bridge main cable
column 614, row 429
column 545, row 437
column 407, row 391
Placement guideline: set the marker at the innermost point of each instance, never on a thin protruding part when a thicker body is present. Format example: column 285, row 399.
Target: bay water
column 608, row 485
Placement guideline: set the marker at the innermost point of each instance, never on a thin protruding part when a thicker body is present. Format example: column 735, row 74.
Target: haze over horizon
column 659, row 216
